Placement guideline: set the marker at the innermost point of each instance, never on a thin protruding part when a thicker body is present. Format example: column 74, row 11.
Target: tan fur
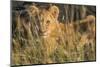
column 52, row 29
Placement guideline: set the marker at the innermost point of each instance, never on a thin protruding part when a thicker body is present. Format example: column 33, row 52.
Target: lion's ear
column 33, row 10
column 54, row 10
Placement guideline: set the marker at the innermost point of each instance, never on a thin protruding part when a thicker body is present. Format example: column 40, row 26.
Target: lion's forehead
column 47, row 14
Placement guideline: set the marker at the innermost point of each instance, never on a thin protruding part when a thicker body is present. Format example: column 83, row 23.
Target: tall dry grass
column 71, row 41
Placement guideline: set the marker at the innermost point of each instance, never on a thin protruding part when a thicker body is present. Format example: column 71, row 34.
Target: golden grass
column 65, row 42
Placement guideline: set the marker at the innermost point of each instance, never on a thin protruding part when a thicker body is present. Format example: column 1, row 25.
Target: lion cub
column 53, row 31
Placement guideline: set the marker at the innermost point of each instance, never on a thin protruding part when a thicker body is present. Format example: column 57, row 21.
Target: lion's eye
column 48, row 21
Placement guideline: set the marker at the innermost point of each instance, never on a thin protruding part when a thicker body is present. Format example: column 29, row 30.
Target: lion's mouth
column 45, row 34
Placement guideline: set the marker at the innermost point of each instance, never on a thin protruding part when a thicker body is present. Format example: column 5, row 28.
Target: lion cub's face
column 48, row 20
